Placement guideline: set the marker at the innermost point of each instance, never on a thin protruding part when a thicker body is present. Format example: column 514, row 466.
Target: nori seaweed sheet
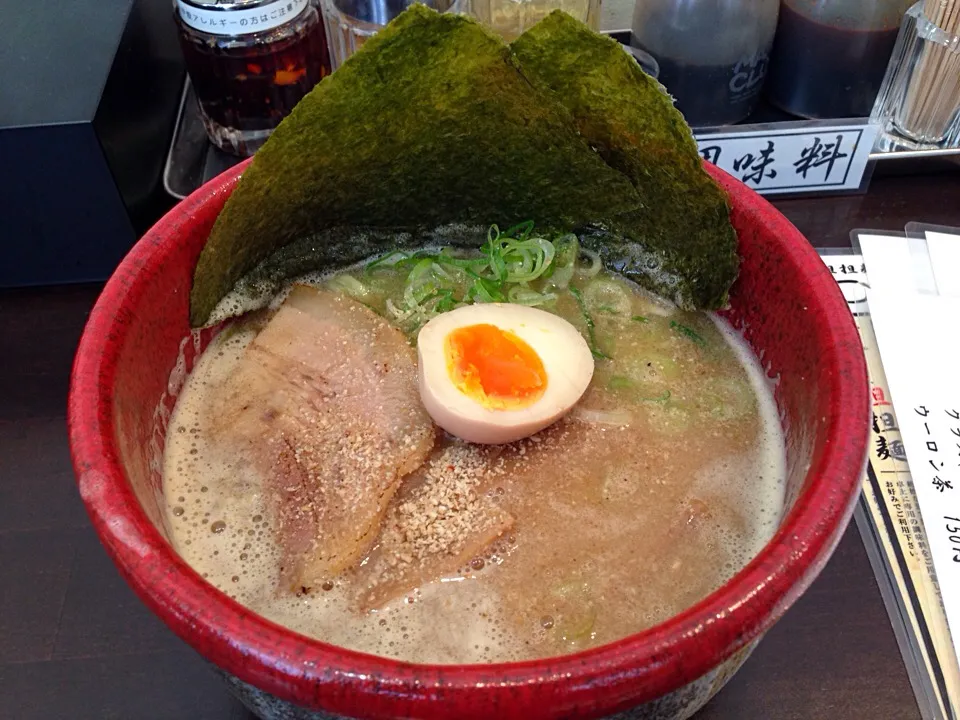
column 344, row 246
column 687, row 246
column 435, row 121
column 429, row 123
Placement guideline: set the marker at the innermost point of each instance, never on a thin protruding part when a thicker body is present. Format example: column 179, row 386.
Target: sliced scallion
column 688, row 333
column 591, row 328
column 514, row 265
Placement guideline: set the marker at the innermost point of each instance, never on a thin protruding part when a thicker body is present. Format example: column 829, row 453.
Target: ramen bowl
column 125, row 382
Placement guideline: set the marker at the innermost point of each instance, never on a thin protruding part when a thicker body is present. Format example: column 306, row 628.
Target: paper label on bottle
column 240, row 21
column 793, row 158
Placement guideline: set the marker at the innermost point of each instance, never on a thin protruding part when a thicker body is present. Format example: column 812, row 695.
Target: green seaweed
column 679, row 241
column 429, row 123
column 436, row 122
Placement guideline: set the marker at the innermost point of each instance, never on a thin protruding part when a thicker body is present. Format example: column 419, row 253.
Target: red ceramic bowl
column 786, row 304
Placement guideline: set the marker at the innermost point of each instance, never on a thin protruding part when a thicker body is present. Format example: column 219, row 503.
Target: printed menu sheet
column 905, row 567
column 920, row 348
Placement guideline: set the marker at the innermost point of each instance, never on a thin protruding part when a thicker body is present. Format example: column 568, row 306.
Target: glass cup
column 350, row 23
column 919, row 100
column 647, row 62
column 510, row 18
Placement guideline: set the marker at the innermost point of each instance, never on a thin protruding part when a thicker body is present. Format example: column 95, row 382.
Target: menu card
column 920, row 346
column 914, row 309
column 888, row 513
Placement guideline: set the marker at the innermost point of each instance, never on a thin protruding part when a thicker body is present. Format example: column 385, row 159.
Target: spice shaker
column 829, row 56
column 250, row 62
column 712, row 53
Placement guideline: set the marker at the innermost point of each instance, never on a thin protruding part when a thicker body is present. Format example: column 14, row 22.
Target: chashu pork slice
column 445, row 515
column 324, row 403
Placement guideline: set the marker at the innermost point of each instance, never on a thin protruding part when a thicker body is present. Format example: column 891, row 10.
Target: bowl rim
column 318, row 675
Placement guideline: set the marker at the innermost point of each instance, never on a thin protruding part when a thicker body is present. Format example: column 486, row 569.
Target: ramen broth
column 663, row 482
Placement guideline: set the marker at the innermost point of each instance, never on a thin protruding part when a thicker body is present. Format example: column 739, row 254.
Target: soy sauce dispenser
column 712, row 54
column 830, row 55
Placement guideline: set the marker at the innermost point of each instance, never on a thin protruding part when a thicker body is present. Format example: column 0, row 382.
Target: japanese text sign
column 793, row 159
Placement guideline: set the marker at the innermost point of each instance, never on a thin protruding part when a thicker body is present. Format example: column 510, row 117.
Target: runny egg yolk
column 494, row 367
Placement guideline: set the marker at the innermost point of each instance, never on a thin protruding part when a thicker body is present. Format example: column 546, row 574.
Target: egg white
column 566, row 359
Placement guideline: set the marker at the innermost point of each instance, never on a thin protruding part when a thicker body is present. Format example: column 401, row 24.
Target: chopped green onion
column 522, row 295
column 689, row 333
column 596, row 264
column 568, row 249
column 510, row 261
column 439, row 270
column 566, row 252
column 591, row 329
column 498, row 265
column 602, row 292
column 485, row 291
column 446, row 304
column 373, row 265
column 399, row 314
column 620, row 382
column 350, row 285
column 521, row 230
column 662, row 398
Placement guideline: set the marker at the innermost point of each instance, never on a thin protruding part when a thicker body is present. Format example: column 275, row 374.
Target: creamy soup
column 663, row 481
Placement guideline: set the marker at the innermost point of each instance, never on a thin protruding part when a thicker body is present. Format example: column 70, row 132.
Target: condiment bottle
column 250, row 62
column 829, row 56
column 712, row 53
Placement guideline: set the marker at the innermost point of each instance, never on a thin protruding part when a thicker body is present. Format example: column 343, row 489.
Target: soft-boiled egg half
column 494, row 373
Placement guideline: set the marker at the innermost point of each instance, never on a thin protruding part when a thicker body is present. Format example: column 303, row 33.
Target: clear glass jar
column 830, row 55
column 712, row 53
column 250, row 62
column 510, row 18
column 350, row 23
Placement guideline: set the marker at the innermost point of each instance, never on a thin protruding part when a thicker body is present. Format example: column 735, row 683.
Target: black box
column 89, row 91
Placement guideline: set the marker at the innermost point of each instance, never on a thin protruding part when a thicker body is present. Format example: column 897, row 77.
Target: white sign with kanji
column 793, row 159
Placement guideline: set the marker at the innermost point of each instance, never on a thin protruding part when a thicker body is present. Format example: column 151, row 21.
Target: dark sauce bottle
column 250, row 62
column 713, row 54
column 829, row 58
column 710, row 95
